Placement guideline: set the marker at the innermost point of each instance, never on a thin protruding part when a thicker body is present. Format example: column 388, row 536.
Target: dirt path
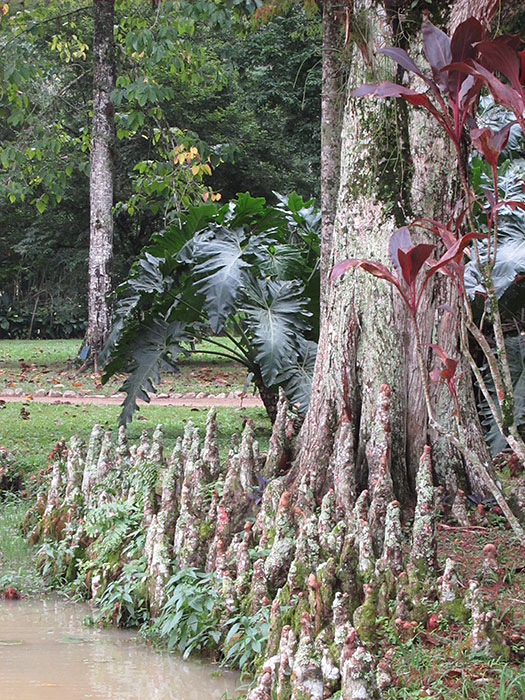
column 99, row 400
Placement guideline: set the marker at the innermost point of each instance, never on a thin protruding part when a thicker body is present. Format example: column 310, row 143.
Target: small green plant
column 511, row 687
column 246, row 639
column 17, row 562
column 189, row 621
column 52, row 560
column 124, row 601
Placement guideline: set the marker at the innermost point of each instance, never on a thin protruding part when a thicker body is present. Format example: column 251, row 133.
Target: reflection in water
column 47, row 654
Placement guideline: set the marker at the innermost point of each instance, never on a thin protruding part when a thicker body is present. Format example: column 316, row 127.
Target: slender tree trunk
column 366, row 339
column 332, row 101
column 101, row 179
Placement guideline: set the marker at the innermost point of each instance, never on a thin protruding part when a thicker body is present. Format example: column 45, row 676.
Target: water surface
column 47, row 654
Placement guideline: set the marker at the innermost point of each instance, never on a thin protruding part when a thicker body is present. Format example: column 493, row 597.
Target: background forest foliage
column 204, row 109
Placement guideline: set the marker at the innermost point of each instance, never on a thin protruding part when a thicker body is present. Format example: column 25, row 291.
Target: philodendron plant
column 243, row 276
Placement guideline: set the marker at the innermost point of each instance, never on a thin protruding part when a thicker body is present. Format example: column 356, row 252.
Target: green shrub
column 189, row 621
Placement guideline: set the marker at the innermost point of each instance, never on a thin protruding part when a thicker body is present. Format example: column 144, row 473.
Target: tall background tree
column 101, row 179
column 186, row 78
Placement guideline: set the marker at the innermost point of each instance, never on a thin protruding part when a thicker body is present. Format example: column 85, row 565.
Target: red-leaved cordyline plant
column 460, row 67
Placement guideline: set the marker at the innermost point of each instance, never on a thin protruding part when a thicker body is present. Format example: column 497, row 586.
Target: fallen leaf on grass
column 453, row 673
column 432, row 622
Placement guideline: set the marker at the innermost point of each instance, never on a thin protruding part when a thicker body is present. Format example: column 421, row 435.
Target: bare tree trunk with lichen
column 101, row 180
column 332, row 101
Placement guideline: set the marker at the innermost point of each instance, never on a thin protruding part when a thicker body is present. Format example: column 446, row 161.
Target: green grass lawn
column 50, row 364
column 30, row 439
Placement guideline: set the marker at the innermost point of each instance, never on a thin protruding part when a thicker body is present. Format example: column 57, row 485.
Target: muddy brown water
column 46, row 653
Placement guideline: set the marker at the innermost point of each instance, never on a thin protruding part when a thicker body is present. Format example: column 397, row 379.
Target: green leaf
column 296, row 378
column 221, row 271
column 157, row 345
column 276, row 320
column 285, row 261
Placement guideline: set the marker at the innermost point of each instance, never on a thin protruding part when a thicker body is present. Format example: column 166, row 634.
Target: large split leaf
column 284, row 261
column 241, row 268
column 509, row 267
column 155, row 348
column 276, row 321
column 221, row 271
column 296, row 379
column 510, row 257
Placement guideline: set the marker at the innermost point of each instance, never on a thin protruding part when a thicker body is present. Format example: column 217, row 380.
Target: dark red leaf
column 501, row 137
column 462, row 48
column 450, row 368
column 468, row 92
column 436, row 45
column 501, row 92
column 412, row 260
column 489, row 194
column 375, row 269
column 399, row 239
column 364, row 90
column 379, row 270
column 400, row 56
column 454, row 252
column 521, row 54
column 466, row 35
column 389, row 89
column 512, row 203
column 489, row 143
column 448, row 237
column 499, row 57
column 435, row 375
column 341, row 267
column 513, row 40
column 439, row 352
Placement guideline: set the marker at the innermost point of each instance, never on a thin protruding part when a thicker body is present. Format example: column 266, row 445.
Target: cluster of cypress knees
column 327, row 569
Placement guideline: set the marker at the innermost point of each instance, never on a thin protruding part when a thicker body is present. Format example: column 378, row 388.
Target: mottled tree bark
column 360, row 347
column 332, row 101
column 394, row 166
column 101, row 179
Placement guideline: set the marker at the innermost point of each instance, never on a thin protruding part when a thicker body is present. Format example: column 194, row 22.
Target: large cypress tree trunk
column 101, row 179
column 394, row 166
